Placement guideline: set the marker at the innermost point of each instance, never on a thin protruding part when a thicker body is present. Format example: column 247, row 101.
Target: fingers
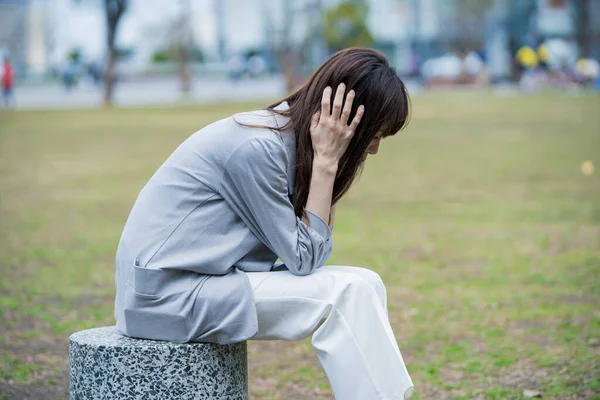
column 347, row 108
column 335, row 111
column 337, row 102
column 325, row 102
column 356, row 120
column 314, row 121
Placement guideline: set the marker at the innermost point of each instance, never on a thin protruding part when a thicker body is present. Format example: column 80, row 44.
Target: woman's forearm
column 330, row 134
column 321, row 187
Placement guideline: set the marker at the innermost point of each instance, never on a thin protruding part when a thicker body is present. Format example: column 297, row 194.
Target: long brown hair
column 376, row 86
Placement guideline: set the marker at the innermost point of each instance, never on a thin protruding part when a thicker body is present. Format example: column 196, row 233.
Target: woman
column 196, row 261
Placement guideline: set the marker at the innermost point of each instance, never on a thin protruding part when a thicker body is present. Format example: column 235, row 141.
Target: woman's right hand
column 329, row 127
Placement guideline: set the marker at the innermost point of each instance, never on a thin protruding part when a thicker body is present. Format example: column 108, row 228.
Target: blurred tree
column 583, row 27
column 177, row 45
column 169, row 55
column 161, row 56
column 280, row 25
column 315, row 45
column 124, row 53
column 197, row 54
column 345, row 26
column 219, row 7
column 278, row 32
column 285, row 50
column 74, row 56
column 114, row 11
column 13, row 33
column 182, row 44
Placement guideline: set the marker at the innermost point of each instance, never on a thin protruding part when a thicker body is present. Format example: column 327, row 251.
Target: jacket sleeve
column 255, row 185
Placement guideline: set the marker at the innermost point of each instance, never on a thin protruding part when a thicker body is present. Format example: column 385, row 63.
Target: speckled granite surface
column 107, row 365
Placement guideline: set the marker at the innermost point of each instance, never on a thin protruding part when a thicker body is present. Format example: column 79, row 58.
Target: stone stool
column 107, row 365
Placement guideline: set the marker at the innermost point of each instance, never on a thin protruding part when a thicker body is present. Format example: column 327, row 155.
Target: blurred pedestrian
column 236, row 67
column 527, row 61
column 415, row 64
column 8, row 81
column 586, row 71
column 69, row 77
column 544, row 56
column 94, row 72
column 257, row 66
column 527, row 58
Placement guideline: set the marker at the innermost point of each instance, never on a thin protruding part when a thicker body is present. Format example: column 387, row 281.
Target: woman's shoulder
column 238, row 127
column 259, row 135
column 261, row 119
column 258, row 126
column 253, row 130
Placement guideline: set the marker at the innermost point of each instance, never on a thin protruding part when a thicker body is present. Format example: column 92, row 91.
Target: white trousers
column 345, row 309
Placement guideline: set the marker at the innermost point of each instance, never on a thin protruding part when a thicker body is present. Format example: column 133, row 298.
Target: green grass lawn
column 477, row 217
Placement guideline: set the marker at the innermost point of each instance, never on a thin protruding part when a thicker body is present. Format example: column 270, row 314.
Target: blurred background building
column 432, row 41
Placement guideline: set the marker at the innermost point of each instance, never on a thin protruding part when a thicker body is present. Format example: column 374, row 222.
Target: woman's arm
column 330, row 134
column 255, row 185
column 320, row 191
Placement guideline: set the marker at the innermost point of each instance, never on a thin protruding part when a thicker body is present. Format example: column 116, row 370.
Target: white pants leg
column 344, row 308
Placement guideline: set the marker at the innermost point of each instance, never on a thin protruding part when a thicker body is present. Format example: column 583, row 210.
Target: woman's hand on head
column 329, row 128
column 330, row 134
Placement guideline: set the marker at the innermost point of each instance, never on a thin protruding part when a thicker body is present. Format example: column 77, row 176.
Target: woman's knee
column 371, row 276
column 364, row 280
column 365, row 274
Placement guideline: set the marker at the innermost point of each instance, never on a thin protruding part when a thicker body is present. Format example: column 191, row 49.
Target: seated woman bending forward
column 197, row 257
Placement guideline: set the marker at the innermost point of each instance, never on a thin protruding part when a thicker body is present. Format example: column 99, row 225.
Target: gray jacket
column 219, row 205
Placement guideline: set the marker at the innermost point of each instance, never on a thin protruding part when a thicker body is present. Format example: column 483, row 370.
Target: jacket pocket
column 154, row 283
column 157, row 304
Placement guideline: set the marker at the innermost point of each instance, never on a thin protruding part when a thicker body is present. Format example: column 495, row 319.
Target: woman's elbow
column 307, row 259
column 303, row 267
column 302, row 271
